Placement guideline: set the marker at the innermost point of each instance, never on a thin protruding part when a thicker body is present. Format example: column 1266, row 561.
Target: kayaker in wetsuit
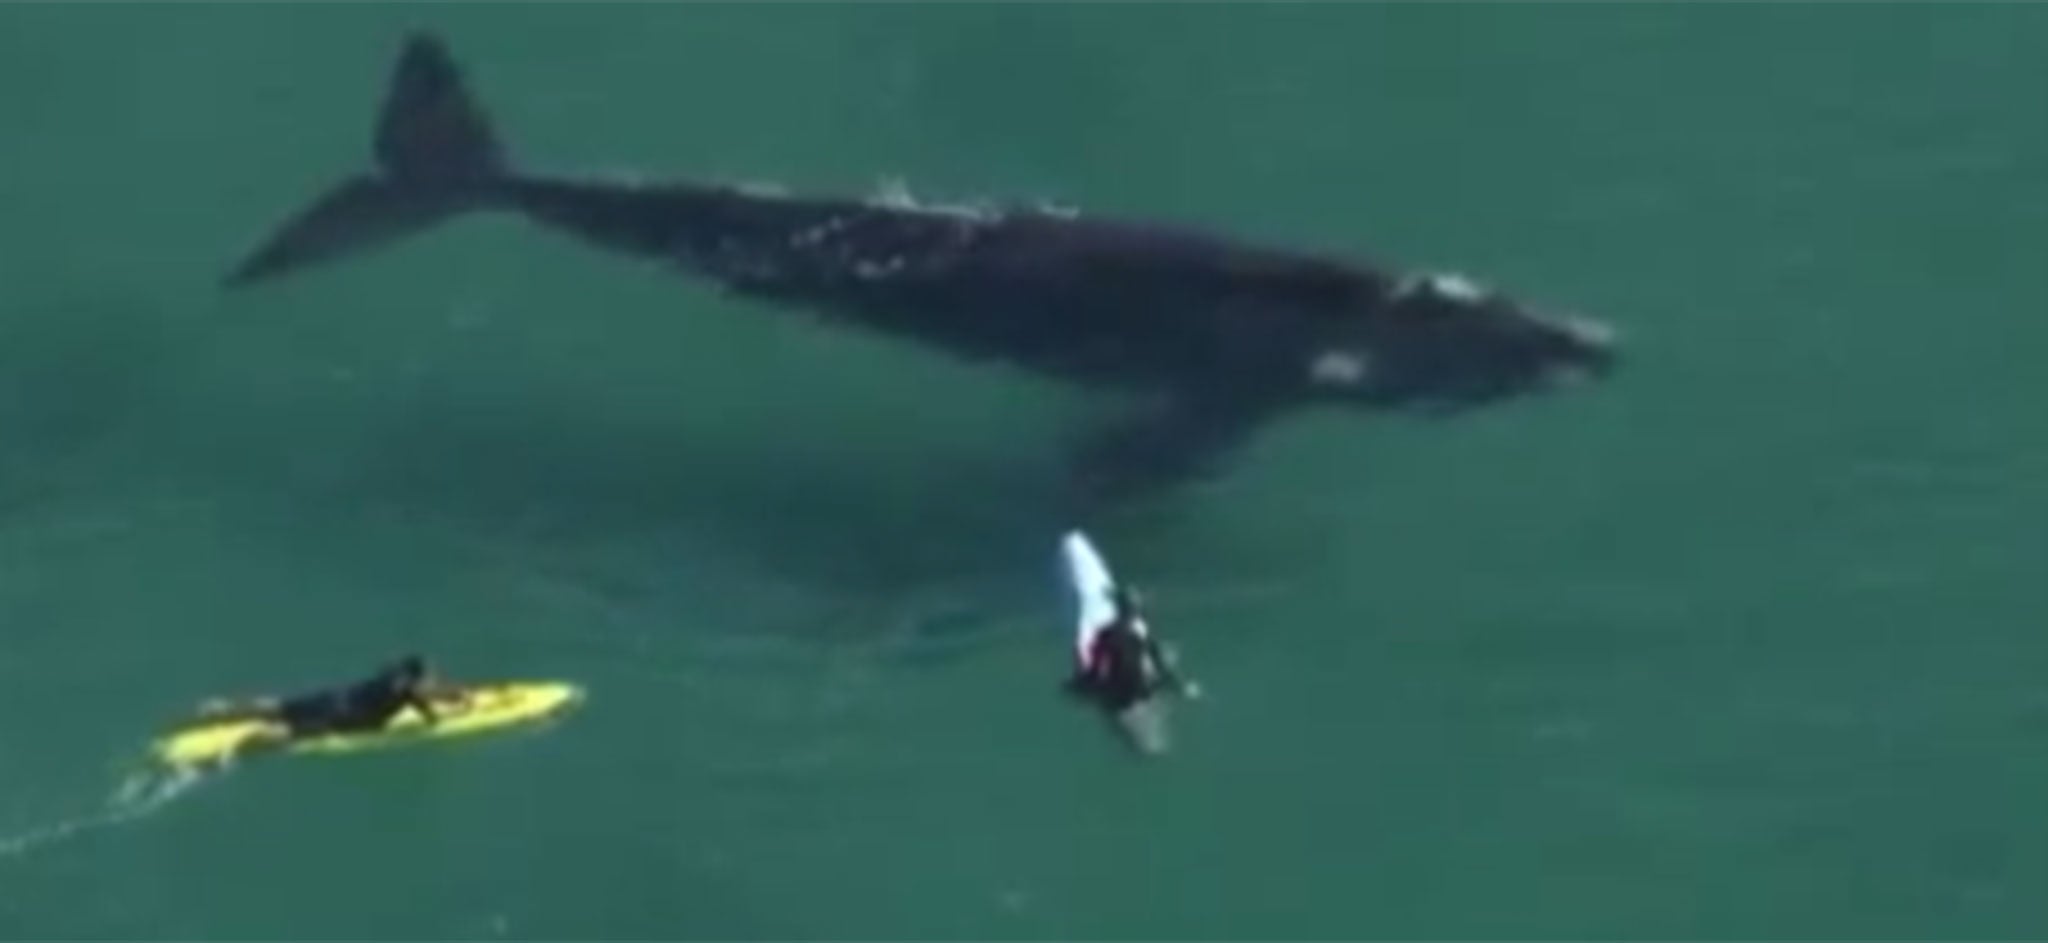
column 366, row 705
column 1124, row 663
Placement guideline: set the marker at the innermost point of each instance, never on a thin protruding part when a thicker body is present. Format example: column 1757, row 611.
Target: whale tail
column 436, row 157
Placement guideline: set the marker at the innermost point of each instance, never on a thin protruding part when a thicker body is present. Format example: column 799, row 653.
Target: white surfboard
column 1090, row 583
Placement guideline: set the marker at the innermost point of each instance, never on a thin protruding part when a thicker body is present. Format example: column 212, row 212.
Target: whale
column 1218, row 336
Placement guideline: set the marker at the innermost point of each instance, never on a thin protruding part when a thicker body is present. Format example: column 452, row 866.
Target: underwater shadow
column 854, row 518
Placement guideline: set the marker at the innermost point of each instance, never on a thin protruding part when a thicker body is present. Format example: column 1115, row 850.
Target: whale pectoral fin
column 1185, row 440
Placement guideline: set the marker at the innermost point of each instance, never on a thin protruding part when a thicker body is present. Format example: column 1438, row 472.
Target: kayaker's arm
column 424, row 703
column 437, row 689
column 449, row 692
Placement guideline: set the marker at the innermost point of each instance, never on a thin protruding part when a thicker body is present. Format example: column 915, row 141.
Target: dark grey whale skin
column 1225, row 334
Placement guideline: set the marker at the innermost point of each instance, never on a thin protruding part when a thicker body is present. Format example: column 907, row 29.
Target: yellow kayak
column 481, row 708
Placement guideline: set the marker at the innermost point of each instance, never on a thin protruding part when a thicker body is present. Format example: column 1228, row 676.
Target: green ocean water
column 1746, row 642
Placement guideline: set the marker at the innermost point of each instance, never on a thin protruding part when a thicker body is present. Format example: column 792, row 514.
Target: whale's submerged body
column 1229, row 333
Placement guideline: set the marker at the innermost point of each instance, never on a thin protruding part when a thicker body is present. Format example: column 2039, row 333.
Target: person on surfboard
column 1124, row 663
column 364, row 706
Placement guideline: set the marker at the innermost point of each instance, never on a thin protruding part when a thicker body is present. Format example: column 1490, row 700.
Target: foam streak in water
column 138, row 796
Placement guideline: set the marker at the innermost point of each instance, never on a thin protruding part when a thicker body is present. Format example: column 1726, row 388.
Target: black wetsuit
column 368, row 705
column 1119, row 668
